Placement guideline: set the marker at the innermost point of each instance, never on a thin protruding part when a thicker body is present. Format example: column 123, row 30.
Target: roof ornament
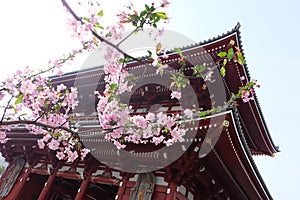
column 237, row 26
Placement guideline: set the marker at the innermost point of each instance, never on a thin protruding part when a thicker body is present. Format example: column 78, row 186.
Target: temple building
column 215, row 160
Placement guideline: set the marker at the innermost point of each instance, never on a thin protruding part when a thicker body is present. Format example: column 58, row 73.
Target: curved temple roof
column 253, row 123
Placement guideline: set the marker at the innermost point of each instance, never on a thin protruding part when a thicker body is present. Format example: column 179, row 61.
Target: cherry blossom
column 175, row 94
column 158, row 140
column 150, row 117
column 72, row 155
column 165, row 3
column 53, row 145
column 84, row 152
column 2, row 96
column 119, row 145
column 188, row 113
column 60, row 155
column 139, row 121
column 41, row 144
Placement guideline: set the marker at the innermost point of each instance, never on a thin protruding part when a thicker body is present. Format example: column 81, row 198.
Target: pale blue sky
column 32, row 32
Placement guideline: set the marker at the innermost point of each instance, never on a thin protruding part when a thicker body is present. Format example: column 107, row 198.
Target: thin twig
column 130, row 34
column 98, row 36
column 5, row 109
column 33, row 122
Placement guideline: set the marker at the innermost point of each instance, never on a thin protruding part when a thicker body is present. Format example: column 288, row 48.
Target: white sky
column 33, row 31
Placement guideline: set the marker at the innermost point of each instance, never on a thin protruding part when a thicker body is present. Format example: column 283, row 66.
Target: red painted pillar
column 85, row 183
column 18, row 188
column 49, row 183
column 171, row 191
column 122, row 187
column 82, row 190
column 47, row 187
column 16, row 192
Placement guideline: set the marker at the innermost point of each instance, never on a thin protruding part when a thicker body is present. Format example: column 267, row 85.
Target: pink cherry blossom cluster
column 247, row 91
column 123, row 128
column 82, row 29
column 47, row 108
column 115, row 117
column 66, row 146
column 38, row 95
column 164, row 3
column 92, row 22
column 34, row 99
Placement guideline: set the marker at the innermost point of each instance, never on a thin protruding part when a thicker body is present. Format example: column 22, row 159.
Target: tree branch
column 110, row 43
column 130, row 34
column 5, row 109
column 34, row 122
column 46, row 126
column 98, row 36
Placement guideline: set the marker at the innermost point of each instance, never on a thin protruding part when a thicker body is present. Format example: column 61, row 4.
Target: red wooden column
column 85, row 184
column 171, row 191
column 48, row 185
column 122, row 187
column 82, row 190
column 18, row 188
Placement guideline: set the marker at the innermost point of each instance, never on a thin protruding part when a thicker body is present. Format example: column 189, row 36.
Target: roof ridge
column 204, row 42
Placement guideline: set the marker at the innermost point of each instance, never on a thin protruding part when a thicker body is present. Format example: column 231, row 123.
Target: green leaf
column 224, row 61
column 86, row 19
column 121, row 60
column 127, row 59
column 152, row 8
column 147, row 7
column 198, row 69
column 165, row 130
column 161, row 72
column 241, row 59
column 162, row 15
column 157, row 18
column 222, row 54
column 113, row 86
column 149, row 53
column 97, row 25
column 143, row 13
column 40, row 88
column 223, row 71
column 19, row 99
column 179, row 52
column 230, row 54
column 100, row 13
column 203, row 114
